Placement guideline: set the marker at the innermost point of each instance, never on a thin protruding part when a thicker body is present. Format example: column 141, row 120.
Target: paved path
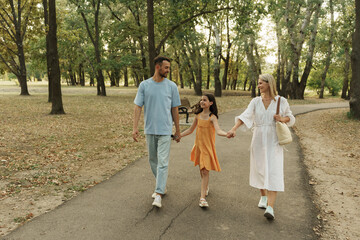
column 120, row 208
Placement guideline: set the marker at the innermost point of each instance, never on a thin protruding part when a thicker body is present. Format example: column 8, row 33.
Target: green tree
column 16, row 18
column 90, row 13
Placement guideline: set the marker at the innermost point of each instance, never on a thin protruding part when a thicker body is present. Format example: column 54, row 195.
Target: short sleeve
column 286, row 112
column 248, row 116
column 175, row 102
column 139, row 99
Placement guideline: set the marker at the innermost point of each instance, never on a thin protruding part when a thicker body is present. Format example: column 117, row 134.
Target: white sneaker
column 203, row 203
column 269, row 213
column 154, row 194
column 263, row 202
column 157, row 201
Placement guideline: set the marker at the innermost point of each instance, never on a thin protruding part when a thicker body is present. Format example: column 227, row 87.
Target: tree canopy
column 213, row 44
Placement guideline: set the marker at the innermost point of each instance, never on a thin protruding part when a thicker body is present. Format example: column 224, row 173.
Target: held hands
column 231, row 133
column 176, row 136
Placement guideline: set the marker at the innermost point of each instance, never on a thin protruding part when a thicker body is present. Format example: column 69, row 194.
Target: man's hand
column 137, row 113
column 135, row 134
column 177, row 136
column 231, row 134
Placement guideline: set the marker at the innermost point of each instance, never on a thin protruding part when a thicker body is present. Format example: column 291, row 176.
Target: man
column 160, row 98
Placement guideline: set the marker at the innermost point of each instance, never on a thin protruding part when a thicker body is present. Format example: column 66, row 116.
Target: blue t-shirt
column 157, row 98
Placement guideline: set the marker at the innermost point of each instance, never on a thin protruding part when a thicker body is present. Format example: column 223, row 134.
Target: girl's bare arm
column 217, row 127
column 189, row 130
column 232, row 132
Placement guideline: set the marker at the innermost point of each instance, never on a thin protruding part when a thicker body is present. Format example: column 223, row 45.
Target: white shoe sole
column 262, row 206
column 156, row 204
column 269, row 215
column 203, row 206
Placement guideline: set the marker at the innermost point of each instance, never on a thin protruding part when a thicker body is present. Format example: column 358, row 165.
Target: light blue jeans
column 159, row 152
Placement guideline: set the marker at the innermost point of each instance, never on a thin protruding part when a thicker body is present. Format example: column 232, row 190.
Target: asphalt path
column 120, row 208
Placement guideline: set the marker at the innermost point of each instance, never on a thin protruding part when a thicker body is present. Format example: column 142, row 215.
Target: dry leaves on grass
column 42, row 155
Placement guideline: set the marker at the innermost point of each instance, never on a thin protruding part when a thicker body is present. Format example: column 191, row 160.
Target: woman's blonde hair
column 272, row 84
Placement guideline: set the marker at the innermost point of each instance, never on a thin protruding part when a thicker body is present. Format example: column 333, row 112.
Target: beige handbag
column 282, row 130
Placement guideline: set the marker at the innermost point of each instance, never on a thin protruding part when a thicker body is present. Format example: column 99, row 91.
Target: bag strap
column 278, row 106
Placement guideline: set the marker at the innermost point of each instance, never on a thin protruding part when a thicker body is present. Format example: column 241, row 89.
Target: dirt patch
column 331, row 147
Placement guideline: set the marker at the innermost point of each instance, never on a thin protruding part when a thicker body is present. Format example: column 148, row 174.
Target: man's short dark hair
column 160, row 59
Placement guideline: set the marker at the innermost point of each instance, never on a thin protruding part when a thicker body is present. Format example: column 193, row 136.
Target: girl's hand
column 231, row 134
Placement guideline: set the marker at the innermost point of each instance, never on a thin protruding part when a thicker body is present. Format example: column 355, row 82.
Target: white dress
column 266, row 155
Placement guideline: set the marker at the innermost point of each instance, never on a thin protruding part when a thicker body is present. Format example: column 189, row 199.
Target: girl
column 266, row 156
column 203, row 152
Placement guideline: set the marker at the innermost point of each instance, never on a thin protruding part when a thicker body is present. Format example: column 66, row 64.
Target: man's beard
column 163, row 75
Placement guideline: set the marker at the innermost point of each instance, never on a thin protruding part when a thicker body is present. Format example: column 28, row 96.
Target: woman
column 266, row 156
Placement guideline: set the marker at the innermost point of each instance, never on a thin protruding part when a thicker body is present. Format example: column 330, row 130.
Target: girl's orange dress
column 203, row 152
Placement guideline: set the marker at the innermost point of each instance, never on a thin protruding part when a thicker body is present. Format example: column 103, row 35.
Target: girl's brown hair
column 213, row 107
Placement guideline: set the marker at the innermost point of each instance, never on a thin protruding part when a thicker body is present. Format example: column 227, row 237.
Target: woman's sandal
column 203, row 203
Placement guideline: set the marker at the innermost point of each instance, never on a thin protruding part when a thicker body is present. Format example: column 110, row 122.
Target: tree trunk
column 71, row 75
column 126, row 78
column 17, row 34
column 198, row 84
column 112, row 78
column 355, row 65
column 100, row 76
column 310, row 55
column 295, row 78
column 345, row 89
column 22, row 77
column 177, row 60
column 151, row 35
column 278, row 72
column 92, row 81
column 245, row 82
column 279, row 53
column 285, row 85
column 57, row 105
column 81, row 75
column 117, row 77
column 208, row 60
column 329, row 51
column 181, row 80
column 217, row 60
column 249, row 49
column 48, row 60
column 191, row 72
column 227, row 59
column 143, row 59
column 135, row 76
column 258, row 59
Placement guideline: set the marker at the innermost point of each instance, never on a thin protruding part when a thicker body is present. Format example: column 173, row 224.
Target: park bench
column 185, row 108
